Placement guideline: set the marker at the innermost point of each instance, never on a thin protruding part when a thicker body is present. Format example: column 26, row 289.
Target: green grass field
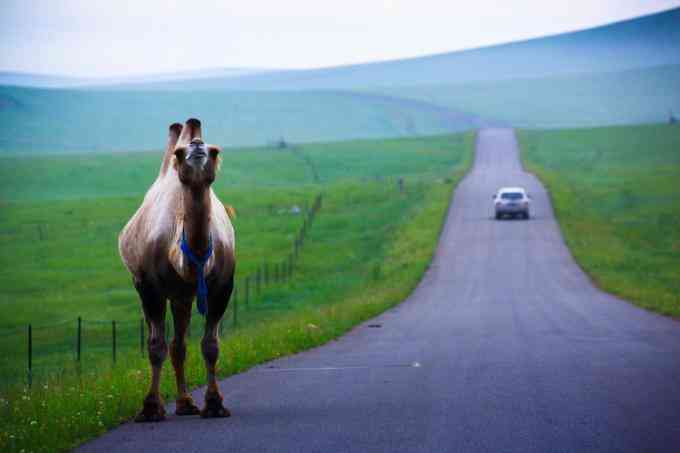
column 366, row 250
column 617, row 197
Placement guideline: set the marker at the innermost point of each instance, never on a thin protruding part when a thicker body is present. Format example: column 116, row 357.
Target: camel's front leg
column 154, row 306
column 181, row 314
column 211, row 351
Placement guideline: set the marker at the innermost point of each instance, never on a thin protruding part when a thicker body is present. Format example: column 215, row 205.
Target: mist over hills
column 633, row 96
column 623, row 73
column 151, row 81
column 37, row 120
column 647, row 41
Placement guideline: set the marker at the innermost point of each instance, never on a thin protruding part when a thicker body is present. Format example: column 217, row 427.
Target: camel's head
column 197, row 162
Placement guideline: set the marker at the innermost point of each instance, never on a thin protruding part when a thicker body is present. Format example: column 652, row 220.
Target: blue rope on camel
column 199, row 264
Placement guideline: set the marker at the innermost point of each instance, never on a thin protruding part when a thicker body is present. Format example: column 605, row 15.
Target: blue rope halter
column 199, row 264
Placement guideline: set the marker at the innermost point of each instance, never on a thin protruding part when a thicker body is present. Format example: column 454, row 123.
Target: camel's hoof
column 153, row 411
column 214, row 408
column 186, row 406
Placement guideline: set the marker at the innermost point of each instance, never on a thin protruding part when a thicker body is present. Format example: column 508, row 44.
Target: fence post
column 247, row 290
column 113, row 339
column 30, row 356
column 235, row 312
column 79, row 338
column 141, row 336
column 258, row 283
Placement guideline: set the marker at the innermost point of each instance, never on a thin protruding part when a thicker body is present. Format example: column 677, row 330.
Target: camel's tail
column 231, row 212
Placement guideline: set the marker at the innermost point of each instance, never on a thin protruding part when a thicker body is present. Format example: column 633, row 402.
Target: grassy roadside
column 616, row 195
column 353, row 267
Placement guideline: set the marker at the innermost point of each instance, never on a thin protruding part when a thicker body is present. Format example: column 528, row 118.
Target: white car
column 512, row 201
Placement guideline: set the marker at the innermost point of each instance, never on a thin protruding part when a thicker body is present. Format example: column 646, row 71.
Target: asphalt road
column 505, row 346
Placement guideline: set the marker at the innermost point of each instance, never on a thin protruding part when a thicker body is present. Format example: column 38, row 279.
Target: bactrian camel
column 178, row 246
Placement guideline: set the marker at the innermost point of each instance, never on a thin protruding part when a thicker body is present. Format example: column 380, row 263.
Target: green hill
column 625, row 97
column 622, row 73
column 40, row 120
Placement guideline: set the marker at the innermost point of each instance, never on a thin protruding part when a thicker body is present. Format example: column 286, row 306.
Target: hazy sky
column 120, row 37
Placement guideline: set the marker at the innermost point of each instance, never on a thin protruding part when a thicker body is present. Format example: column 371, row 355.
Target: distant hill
column 152, row 81
column 27, row 79
column 42, row 120
column 633, row 96
column 642, row 42
column 623, row 73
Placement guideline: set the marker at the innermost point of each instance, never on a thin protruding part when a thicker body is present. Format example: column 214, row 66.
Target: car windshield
column 511, row 196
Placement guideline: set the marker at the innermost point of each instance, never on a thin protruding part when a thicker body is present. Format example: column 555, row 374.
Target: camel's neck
column 197, row 210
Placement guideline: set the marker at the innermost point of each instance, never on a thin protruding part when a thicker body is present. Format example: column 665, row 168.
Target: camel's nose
column 198, row 154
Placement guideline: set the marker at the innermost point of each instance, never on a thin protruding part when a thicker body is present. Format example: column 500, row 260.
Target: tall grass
column 617, row 198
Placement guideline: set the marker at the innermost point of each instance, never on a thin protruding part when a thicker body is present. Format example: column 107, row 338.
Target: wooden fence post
column 247, row 291
column 258, row 281
column 30, row 356
column 113, row 340
column 79, row 338
column 235, row 313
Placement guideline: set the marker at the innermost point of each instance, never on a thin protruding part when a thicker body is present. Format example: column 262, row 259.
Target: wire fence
column 52, row 349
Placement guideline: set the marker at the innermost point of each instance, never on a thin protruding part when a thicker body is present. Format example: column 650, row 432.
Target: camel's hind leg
column 181, row 314
column 154, row 305
column 211, row 350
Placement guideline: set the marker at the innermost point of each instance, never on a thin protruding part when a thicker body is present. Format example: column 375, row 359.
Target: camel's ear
column 190, row 131
column 214, row 151
column 173, row 134
column 181, row 154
